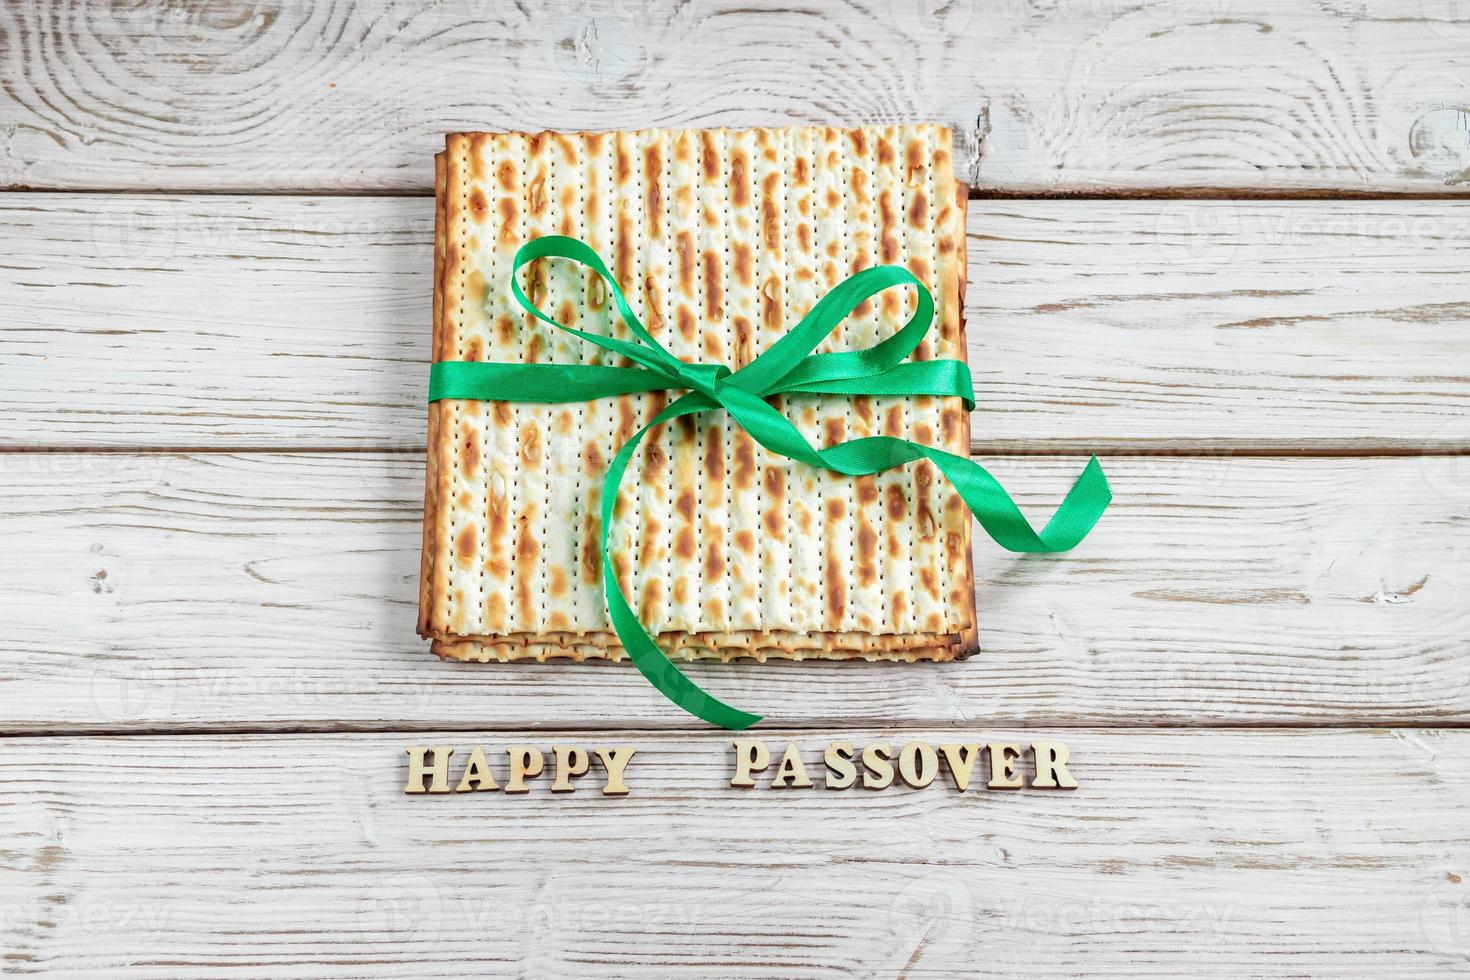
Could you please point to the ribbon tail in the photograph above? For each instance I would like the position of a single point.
(982, 493)
(1003, 520)
(650, 660)
(1082, 509)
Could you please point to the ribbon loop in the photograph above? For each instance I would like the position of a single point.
(786, 367)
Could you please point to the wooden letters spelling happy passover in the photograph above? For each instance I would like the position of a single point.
(877, 765)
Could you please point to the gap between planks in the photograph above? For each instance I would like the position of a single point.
(785, 731)
(1219, 193)
(1177, 450)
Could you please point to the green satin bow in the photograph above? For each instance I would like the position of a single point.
(786, 367)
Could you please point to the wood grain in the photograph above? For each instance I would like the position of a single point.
(1241, 95)
(243, 559)
(1211, 854)
(1199, 326)
(219, 591)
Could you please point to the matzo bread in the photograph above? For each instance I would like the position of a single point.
(721, 240)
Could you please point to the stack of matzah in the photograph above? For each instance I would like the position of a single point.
(721, 240)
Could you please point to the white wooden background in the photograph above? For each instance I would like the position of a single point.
(1226, 243)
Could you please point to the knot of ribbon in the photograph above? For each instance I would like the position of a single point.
(787, 367)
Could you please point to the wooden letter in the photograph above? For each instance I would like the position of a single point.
(918, 765)
(418, 769)
(879, 773)
(615, 760)
(751, 756)
(570, 761)
(1003, 756)
(841, 773)
(792, 772)
(477, 770)
(1051, 766)
(525, 760)
(960, 760)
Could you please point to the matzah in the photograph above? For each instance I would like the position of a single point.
(721, 240)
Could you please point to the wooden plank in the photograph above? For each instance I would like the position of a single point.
(1202, 326)
(1200, 853)
(144, 592)
(1248, 95)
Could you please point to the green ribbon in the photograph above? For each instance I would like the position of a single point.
(786, 367)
